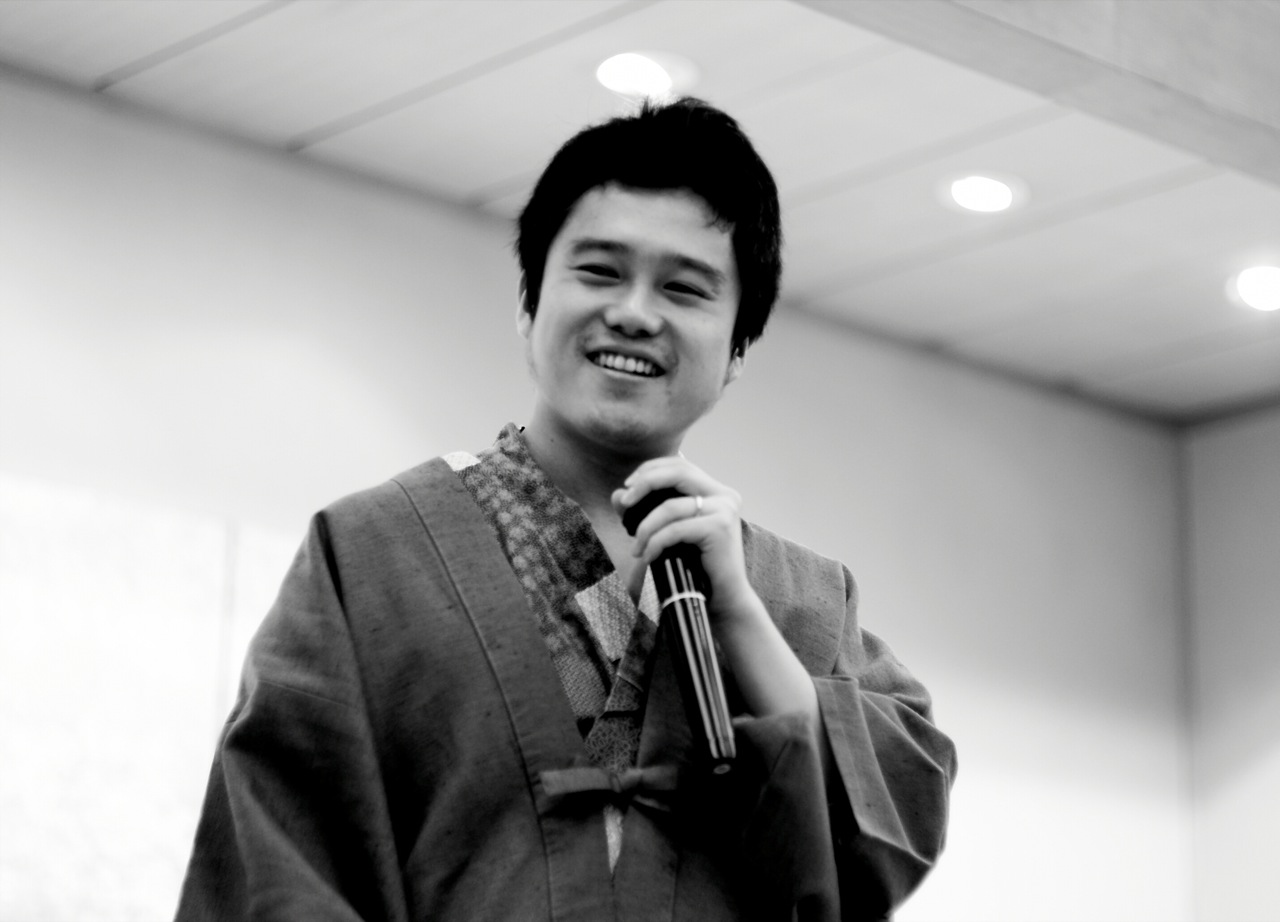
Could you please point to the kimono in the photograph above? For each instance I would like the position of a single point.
(402, 749)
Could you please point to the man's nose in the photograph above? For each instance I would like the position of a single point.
(636, 312)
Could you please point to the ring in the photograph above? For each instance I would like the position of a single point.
(697, 505)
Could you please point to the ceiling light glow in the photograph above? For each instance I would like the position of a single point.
(1259, 287)
(982, 193)
(634, 74)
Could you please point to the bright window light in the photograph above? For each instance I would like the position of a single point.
(982, 193)
(634, 74)
(1259, 287)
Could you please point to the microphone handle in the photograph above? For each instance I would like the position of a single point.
(682, 589)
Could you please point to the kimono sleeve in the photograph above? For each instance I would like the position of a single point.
(847, 837)
(889, 802)
(295, 823)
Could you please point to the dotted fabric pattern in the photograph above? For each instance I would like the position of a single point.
(598, 639)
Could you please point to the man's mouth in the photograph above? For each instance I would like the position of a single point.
(626, 364)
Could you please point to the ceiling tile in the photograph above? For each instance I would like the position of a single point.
(876, 108)
(82, 40)
(899, 220)
(490, 132)
(1063, 258)
(1167, 314)
(1120, 292)
(1205, 385)
(311, 63)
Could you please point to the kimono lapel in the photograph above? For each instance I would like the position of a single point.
(540, 715)
(645, 878)
(667, 869)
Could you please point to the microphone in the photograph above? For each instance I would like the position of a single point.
(682, 596)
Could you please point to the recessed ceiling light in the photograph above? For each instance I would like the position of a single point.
(647, 74)
(634, 75)
(982, 193)
(1259, 287)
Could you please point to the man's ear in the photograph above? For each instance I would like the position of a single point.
(524, 317)
(737, 359)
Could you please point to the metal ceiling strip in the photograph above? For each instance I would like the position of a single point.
(203, 37)
(488, 65)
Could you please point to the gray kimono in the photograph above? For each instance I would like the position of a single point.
(402, 749)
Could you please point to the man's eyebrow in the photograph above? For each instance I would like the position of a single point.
(585, 244)
(582, 245)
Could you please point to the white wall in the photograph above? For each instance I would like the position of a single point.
(195, 322)
(1234, 491)
(222, 340)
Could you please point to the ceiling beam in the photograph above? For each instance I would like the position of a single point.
(1199, 75)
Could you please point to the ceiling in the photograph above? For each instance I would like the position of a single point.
(1109, 282)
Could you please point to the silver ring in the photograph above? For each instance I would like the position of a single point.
(697, 505)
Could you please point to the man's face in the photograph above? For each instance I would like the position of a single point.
(631, 342)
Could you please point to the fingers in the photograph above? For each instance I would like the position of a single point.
(707, 515)
(671, 471)
(675, 473)
(694, 530)
(671, 512)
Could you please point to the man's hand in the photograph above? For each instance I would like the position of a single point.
(708, 516)
(768, 674)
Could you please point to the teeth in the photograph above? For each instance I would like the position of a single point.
(628, 364)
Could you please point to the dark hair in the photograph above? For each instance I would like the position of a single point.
(686, 144)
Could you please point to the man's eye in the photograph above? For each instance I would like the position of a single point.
(599, 270)
(682, 288)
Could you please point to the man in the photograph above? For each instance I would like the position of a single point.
(460, 706)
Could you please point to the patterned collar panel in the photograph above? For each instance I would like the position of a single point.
(596, 636)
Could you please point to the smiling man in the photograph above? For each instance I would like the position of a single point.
(461, 706)
(638, 302)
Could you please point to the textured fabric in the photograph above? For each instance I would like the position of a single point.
(402, 748)
(598, 639)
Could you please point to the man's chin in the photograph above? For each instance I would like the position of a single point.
(632, 435)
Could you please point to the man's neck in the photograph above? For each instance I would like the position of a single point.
(582, 470)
